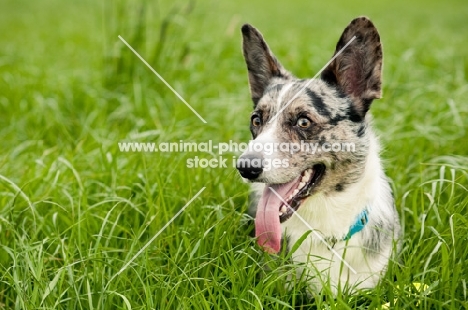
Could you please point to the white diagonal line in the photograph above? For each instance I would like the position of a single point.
(307, 84)
(315, 232)
(155, 236)
(162, 79)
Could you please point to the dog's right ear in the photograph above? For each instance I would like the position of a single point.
(261, 63)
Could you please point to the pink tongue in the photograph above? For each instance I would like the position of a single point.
(267, 222)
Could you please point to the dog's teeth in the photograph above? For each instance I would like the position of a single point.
(280, 213)
(301, 185)
(295, 192)
(283, 209)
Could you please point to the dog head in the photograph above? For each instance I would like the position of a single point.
(309, 135)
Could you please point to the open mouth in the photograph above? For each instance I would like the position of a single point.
(309, 179)
(272, 210)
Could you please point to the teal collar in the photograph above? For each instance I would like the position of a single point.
(358, 225)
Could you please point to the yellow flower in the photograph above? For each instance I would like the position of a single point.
(420, 287)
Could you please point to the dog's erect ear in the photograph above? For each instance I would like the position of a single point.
(261, 63)
(357, 70)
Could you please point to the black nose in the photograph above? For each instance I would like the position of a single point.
(250, 165)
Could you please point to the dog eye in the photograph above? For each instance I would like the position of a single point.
(256, 121)
(303, 122)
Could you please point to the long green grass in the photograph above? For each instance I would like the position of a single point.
(75, 211)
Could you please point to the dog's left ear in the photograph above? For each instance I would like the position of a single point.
(261, 63)
(357, 70)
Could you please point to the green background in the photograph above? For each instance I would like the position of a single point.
(74, 210)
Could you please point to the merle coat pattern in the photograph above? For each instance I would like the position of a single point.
(326, 189)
